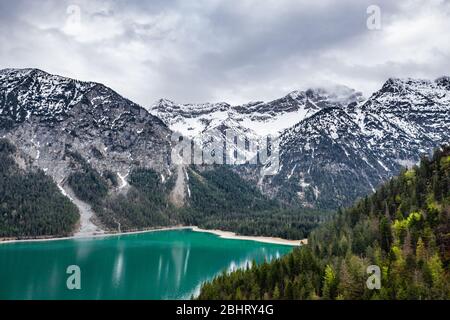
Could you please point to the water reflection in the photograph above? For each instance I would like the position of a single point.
(158, 265)
(118, 266)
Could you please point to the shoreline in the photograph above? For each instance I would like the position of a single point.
(221, 234)
(233, 236)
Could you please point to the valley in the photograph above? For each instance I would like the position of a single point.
(114, 156)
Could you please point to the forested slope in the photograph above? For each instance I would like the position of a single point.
(31, 204)
(220, 199)
(144, 204)
(403, 228)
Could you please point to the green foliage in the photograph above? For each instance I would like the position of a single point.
(145, 204)
(404, 228)
(222, 190)
(89, 186)
(329, 283)
(445, 163)
(111, 178)
(87, 183)
(30, 202)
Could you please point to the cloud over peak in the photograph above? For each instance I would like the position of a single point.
(218, 50)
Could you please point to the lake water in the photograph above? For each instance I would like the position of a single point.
(152, 265)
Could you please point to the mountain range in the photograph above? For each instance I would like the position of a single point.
(335, 145)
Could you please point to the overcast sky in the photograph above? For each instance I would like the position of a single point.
(226, 50)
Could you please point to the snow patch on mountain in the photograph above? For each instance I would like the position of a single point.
(259, 118)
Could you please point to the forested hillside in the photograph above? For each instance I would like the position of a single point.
(403, 228)
(30, 203)
(217, 198)
(221, 199)
(144, 204)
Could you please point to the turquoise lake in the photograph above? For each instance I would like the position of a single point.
(153, 265)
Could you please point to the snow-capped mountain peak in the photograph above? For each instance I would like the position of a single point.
(341, 153)
(260, 118)
(39, 93)
(47, 115)
(443, 82)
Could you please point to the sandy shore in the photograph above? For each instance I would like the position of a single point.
(221, 234)
(234, 236)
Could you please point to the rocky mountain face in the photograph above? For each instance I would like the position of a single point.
(48, 117)
(339, 154)
(208, 124)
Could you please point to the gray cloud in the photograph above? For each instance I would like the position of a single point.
(222, 50)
